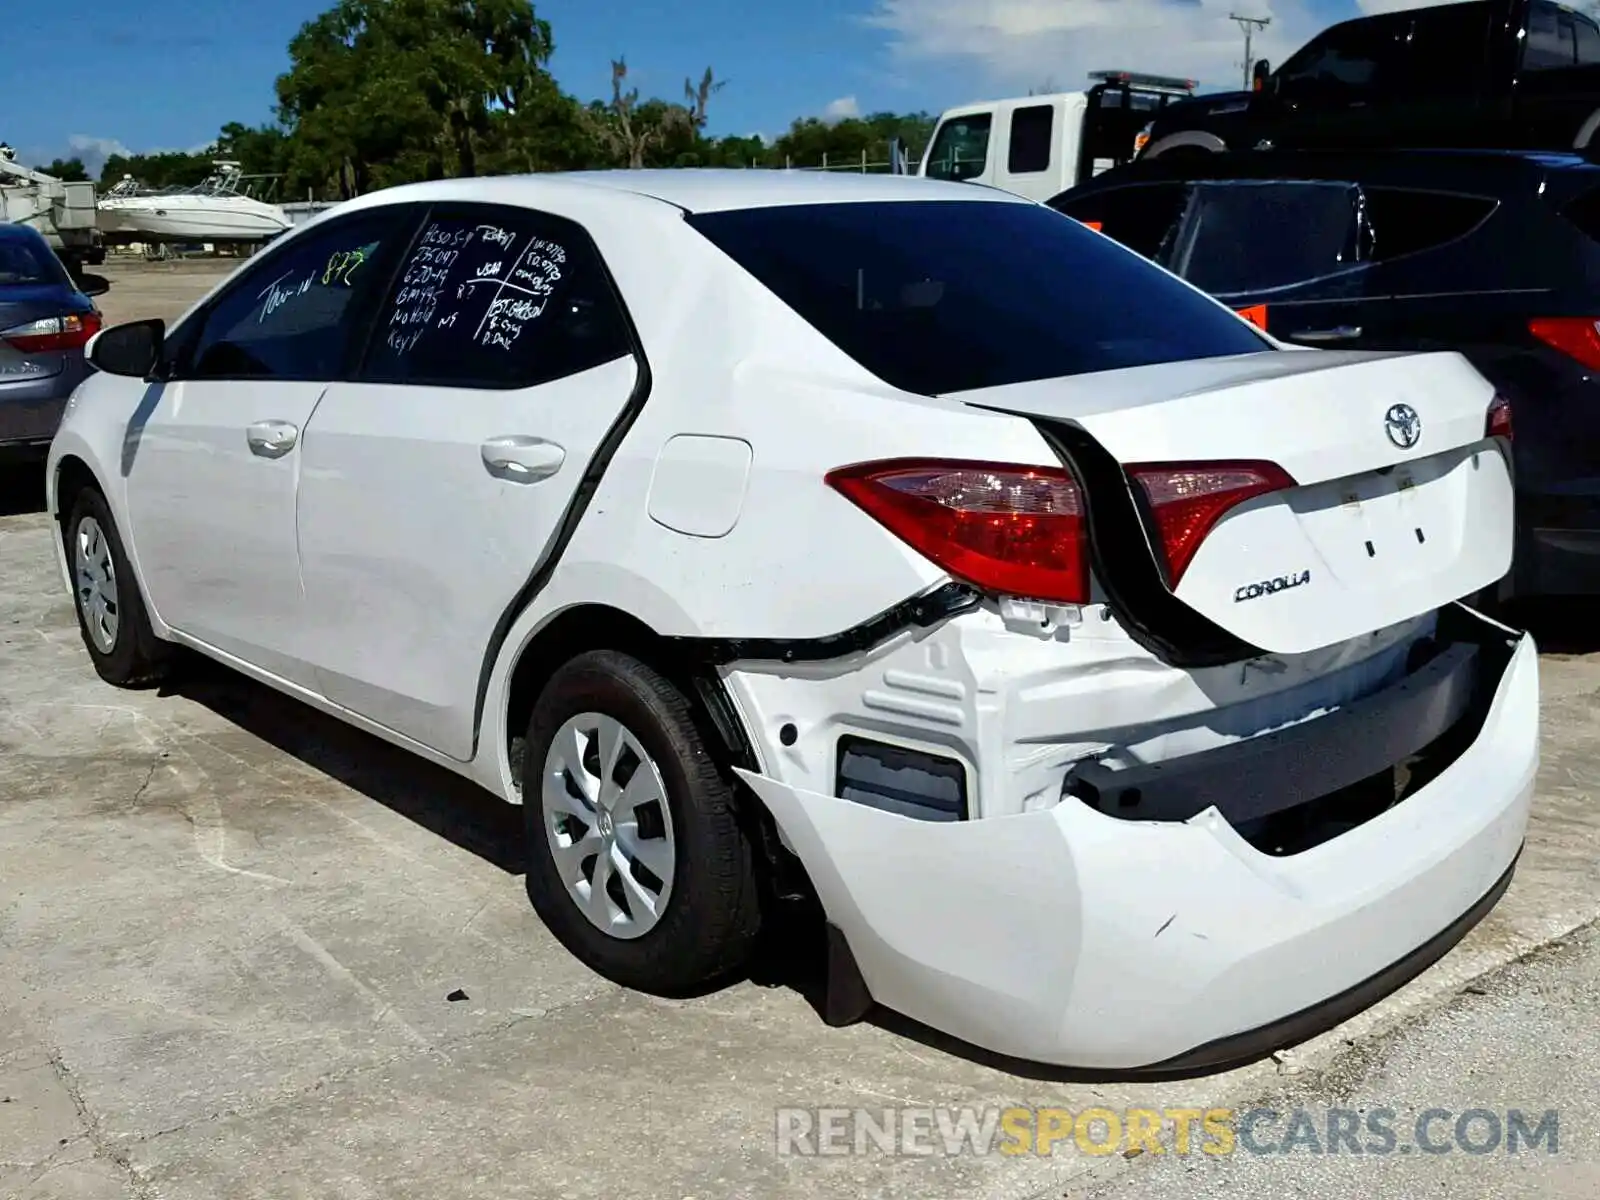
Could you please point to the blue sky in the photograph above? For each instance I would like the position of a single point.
(166, 74)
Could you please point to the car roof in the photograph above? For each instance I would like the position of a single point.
(22, 233)
(1493, 171)
(699, 190)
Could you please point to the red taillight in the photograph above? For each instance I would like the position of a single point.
(66, 332)
(1188, 499)
(1499, 424)
(1003, 527)
(1576, 337)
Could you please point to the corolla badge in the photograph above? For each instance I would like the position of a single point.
(1271, 587)
(1403, 426)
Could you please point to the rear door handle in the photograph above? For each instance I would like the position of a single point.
(520, 458)
(271, 439)
(1340, 333)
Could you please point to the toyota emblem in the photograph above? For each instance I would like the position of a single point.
(1403, 426)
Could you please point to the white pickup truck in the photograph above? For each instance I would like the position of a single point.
(1039, 146)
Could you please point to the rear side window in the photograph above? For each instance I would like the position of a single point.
(937, 297)
(1249, 237)
(293, 314)
(1588, 46)
(1584, 212)
(960, 148)
(493, 297)
(1031, 130)
(1142, 217)
(25, 261)
(1404, 221)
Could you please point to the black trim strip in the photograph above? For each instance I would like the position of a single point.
(1134, 583)
(920, 612)
(1259, 776)
(576, 507)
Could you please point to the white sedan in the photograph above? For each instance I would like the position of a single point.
(1090, 657)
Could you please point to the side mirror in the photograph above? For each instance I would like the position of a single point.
(1262, 73)
(131, 349)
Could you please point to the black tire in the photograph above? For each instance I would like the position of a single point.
(708, 926)
(135, 657)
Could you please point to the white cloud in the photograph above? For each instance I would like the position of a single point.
(93, 151)
(841, 109)
(1016, 43)
(1383, 6)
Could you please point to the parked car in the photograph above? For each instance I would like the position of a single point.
(45, 322)
(896, 539)
(1491, 73)
(1494, 254)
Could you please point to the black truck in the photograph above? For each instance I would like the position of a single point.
(1513, 74)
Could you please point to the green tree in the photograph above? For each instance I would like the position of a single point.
(68, 170)
(165, 169)
(259, 150)
(810, 138)
(386, 91)
(653, 133)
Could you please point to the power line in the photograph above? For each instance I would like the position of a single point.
(1249, 25)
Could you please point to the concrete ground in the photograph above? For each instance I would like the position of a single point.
(1525, 1038)
(246, 951)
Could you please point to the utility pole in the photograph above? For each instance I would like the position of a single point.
(1249, 25)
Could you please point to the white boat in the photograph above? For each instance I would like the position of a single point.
(215, 211)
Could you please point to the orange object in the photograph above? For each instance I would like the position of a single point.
(1256, 314)
(1097, 226)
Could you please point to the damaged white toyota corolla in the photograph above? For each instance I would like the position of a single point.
(1091, 657)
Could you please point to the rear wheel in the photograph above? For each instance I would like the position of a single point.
(111, 613)
(636, 861)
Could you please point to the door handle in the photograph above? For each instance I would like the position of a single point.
(1340, 333)
(271, 439)
(520, 458)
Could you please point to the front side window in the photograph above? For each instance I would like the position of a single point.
(960, 148)
(496, 297)
(1444, 55)
(295, 313)
(936, 297)
(1349, 62)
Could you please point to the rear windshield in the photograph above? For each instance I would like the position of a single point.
(24, 261)
(950, 296)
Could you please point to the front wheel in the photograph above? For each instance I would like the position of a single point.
(636, 860)
(111, 613)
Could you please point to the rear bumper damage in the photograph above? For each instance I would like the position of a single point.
(1192, 927)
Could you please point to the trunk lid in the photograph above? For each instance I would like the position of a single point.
(1374, 532)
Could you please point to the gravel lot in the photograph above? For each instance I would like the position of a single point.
(230, 929)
